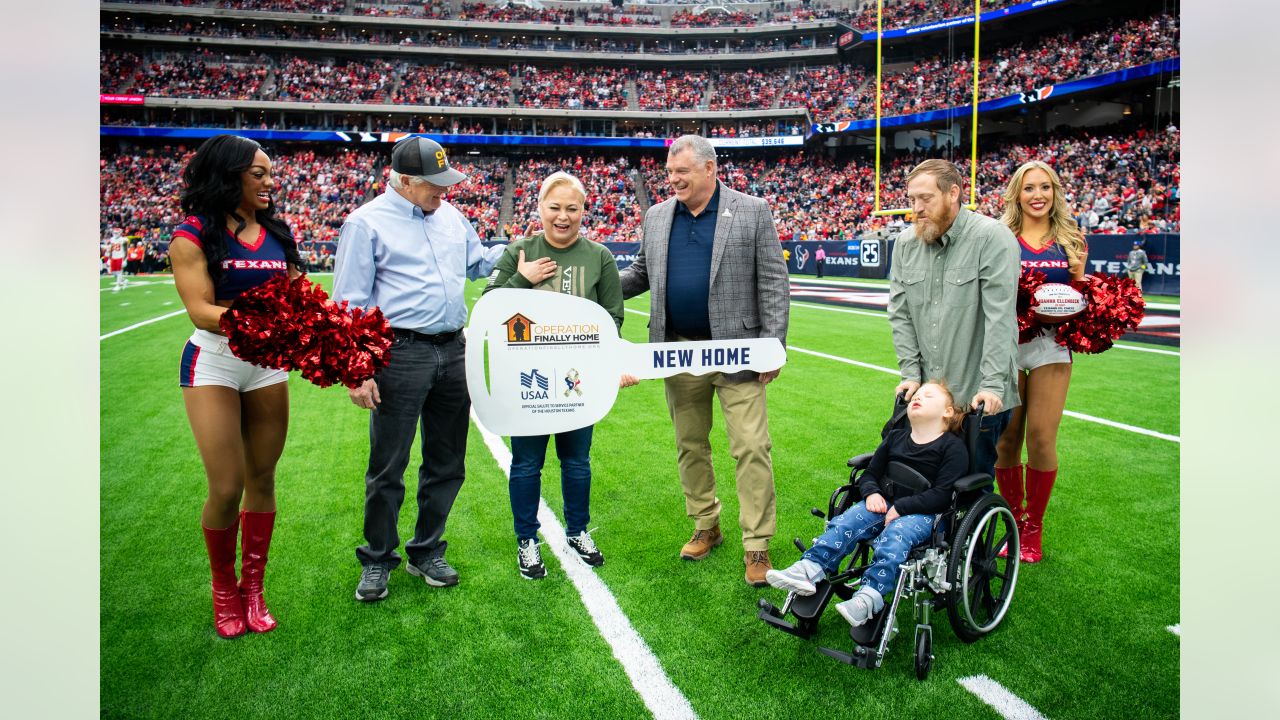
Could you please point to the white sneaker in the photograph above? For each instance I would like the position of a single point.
(799, 578)
(858, 609)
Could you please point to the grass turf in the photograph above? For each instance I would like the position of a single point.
(1085, 637)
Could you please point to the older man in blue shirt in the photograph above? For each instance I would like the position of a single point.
(410, 253)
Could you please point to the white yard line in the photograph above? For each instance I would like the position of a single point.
(892, 371)
(1122, 426)
(663, 699)
(1009, 706)
(135, 326)
(1175, 629)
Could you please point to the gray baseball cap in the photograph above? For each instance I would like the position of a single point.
(424, 158)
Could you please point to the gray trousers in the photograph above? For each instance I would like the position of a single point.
(423, 388)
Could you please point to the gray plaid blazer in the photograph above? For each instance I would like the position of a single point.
(750, 289)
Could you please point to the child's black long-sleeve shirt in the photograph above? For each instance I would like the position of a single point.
(941, 462)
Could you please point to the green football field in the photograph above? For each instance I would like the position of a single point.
(1088, 634)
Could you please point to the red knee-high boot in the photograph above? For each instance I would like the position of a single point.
(228, 614)
(1009, 480)
(256, 539)
(1039, 486)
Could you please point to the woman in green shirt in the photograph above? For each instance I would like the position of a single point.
(557, 260)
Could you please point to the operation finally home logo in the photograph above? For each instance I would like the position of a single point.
(523, 331)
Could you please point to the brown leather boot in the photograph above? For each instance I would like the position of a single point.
(699, 546)
(758, 563)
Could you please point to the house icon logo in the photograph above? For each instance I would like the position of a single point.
(519, 329)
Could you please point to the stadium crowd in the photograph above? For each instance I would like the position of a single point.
(202, 73)
(452, 84)
(829, 92)
(666, 90)
(232, 28)
(612, 211)
(897, 13)
(708, 18)
(352, 81)
(600, 89)
(938, 82)
(1117, 180)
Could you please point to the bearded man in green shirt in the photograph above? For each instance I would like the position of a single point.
(953, 286)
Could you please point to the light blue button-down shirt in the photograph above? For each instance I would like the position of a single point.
(412, 265)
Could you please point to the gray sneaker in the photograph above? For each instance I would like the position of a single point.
(373, 583)
(435, 571)
(860, 608)
(799, 578)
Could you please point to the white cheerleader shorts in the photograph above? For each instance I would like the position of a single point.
(1042, 351)
(206, 360)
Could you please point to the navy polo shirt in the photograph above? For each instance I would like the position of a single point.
(689, 269)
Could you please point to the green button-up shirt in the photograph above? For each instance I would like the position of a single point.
(952, 308)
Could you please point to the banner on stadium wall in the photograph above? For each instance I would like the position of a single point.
(960, 21)
(863, 257)
(1037, 95)
(1108, 253)
(121, 99)
(752, 142)
(867, 257)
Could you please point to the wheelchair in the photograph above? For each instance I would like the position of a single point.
(958, 569)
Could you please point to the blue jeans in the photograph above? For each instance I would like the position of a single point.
(890, 546)
(528, 453)
(989, 432)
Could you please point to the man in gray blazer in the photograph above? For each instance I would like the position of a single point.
(710, 257)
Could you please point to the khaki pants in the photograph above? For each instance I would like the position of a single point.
(747, 421)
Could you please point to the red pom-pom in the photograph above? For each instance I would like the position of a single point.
(293, 325)
(1115, 306)
(1028, 326)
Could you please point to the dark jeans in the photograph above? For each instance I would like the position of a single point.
(990, 431)
(424, 383)
(528, 453)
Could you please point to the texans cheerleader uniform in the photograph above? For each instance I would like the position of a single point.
(1043, 349)
(206, 359)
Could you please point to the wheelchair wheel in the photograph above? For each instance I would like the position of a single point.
(982, 582)
(924, 654)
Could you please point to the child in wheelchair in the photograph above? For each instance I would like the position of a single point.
(896, 519)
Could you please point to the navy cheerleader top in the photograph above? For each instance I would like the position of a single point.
(1050, 260)
(246, 266)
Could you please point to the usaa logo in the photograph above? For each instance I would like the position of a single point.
(536, 386)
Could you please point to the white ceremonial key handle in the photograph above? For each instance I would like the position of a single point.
(540, 362)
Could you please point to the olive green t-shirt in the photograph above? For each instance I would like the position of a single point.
(585, 269)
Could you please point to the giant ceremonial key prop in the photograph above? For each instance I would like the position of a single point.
(553, 361)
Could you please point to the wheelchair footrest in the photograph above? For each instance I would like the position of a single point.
(785, 626)
(863, 657)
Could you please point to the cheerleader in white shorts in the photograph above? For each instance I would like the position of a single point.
(231, 242)
(1052, 243)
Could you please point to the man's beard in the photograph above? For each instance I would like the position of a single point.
(927, 231)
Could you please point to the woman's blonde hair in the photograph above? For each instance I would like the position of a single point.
(557, 179)
(1062, 226)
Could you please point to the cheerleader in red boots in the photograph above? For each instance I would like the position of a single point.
(1037, 213)
(230, 242)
